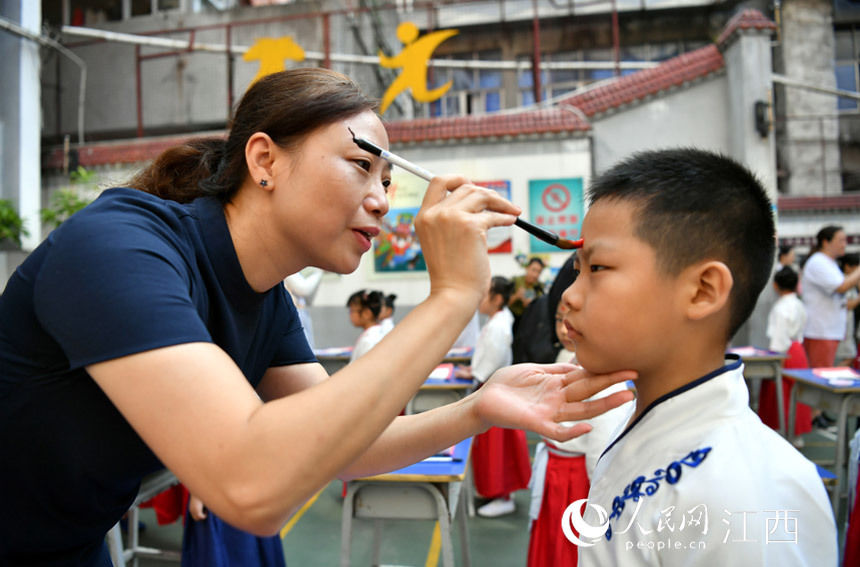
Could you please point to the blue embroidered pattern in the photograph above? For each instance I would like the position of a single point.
(641, 487)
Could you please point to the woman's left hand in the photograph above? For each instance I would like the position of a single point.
(538, 397)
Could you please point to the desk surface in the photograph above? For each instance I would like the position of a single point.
(442, 378)
(842, 384)
(755, 354)
(431, 470)
(457, 354)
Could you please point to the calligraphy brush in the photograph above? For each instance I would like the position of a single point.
(394, 159)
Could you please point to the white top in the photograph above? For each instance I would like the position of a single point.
(367, 340)
(469, 336)
(493, 349)
(825, 309)
(387, 324)
(303, 286)
(605, 427)
(786, 322)
(697, 479)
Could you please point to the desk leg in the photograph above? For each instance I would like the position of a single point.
(115, 546)
(346, 524)
(792, 407)
(841, 448)
(780, 401)
(134, 533)
(464, 529)
(377, 542)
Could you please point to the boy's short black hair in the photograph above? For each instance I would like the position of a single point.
(694, 205)
(536, 260)
(786, 279)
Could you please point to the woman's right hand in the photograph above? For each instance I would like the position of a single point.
(452, 228)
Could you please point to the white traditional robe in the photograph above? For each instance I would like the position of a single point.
(697, 479)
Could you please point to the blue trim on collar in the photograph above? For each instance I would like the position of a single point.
(688, 386)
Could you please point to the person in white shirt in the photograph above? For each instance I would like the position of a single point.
(679, 243)
(785, 324)
(386, 316)
(561, 471)
(364, 308)
(303, 288)
(846, 352)
(500, 457)
(824, 286)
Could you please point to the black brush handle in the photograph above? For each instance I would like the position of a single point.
(545, 235)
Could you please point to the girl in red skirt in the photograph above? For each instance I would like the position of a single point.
(785, 326)
(561, 472)
(500, 457)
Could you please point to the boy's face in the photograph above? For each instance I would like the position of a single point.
(621, 311)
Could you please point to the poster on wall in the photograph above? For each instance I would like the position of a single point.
(499, 239)
(396, 249)
(556, 205)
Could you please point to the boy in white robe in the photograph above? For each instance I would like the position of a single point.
(678, 246)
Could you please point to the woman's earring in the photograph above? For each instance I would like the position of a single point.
(263, 183)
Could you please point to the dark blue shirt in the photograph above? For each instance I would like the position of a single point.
(129, 273)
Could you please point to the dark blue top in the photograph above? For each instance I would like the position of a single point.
(129, 273)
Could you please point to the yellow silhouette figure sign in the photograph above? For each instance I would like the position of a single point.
(271, 52)
(413, 59)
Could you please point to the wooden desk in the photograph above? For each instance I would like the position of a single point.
(439, 391)
(761, 364)
(428, 490)
(840, 398)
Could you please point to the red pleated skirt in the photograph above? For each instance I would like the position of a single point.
(500, 462)
(767, 409)
(566, 482)
(851, 553)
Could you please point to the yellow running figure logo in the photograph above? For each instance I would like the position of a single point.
(271, 53)
(413, 59)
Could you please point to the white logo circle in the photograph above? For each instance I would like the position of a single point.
(572, 519)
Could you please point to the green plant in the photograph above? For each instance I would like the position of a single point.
(11, 224)
(63, 204)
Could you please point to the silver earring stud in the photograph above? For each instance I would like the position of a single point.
(263, 183)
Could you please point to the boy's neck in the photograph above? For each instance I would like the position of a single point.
(683, 369)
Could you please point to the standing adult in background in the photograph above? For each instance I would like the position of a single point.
(527, 288)
(823, 287)
(303, 288)
(152, 330)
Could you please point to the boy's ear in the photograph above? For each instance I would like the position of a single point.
(710, 284)
(260, 156)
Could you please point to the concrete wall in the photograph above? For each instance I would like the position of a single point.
(810, 147)
(692, 116)
(191, 88)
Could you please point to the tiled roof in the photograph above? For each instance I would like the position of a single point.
(745, 20)
(125, 151)
(672, 73)
(843, 202)
(544, 121)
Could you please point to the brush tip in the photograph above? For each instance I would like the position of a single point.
(566, 244)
